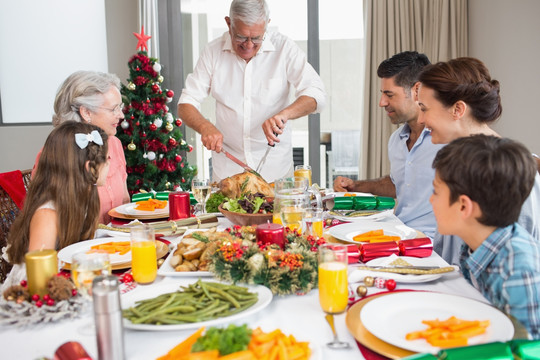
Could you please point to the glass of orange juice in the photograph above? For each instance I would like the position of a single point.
(312, 222)
(303, 171)
(333, 286)
(143, 254)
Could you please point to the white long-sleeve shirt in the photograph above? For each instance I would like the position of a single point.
(249, 93)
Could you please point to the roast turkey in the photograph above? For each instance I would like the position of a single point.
(246, 182)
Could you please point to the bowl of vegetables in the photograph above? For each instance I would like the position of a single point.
(249, 209)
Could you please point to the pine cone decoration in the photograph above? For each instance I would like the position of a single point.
(17, 293)
(60, 288)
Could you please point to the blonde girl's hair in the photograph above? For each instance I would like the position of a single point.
(82, 88)
(66, 175)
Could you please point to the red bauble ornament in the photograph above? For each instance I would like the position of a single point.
(138, 123)
(152, 127)
(390, 284)
(178, 122)
(170, 93)
(144, 134)
(177, 158)
(155, 88)
(172, 142)
(137, 69)
(183, 180)
(190, 148)
(182, 165)
(133, 117)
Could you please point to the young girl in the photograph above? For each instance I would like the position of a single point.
(62, 204)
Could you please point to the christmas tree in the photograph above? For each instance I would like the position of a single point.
(153, 142)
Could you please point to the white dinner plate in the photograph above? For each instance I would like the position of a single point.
(66, 253)
(129, 209)
(358, 275)
(392, 316)
(167, 270)
(338, 194)
(346, 232)
(151, 291)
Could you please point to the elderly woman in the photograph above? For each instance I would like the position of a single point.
(459, 98)
(94, 97)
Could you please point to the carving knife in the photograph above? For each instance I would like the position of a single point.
(263, 159)
(242, 164)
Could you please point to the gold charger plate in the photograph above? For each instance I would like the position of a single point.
(370, 341)
(162, 249)
(364, 337)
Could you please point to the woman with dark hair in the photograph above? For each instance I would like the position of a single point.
(459, 98)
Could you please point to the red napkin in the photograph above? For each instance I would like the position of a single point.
(13, 184)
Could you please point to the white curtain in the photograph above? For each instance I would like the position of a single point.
(437, 28)
(148, 17)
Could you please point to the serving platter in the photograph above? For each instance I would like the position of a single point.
(167, 270)
(151, 291)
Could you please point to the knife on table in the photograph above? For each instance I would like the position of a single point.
(263, 159)
(242, 164)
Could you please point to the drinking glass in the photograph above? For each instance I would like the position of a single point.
(333, 287)
(289, 192)
(201, 191)
(85, 267)
(312, 222)
(143, 254)
(303, 171)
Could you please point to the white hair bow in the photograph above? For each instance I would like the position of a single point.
(83, 139)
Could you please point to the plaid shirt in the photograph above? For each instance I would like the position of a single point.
(506, 269)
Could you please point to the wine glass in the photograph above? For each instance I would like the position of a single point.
(85, 266)
(333, 286)
(201, 191)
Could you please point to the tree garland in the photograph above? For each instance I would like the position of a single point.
(289, 271)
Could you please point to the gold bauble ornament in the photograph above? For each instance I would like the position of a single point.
(369, 281)
(131, 86)
(160, 78)
(169, 127)
(167, 184)
(131, 146)
(361, 291)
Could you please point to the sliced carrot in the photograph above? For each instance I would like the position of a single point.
(185, 346)
(204, 355)
(448, 343)
(239, 355)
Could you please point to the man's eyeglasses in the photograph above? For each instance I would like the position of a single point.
(115, 110)
(257, 40)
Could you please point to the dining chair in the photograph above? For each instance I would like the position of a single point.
(8, 213)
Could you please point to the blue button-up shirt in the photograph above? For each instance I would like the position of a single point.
(412, 174)
(506, 270)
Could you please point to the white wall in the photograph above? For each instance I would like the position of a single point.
(505, 36)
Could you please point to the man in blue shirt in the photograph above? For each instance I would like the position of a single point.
(481, 183)
(410, 149)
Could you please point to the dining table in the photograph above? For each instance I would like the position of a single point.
(299, 315)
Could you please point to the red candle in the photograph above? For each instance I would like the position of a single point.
(271, 233)
(422, 247)
(179, 207)
(377, 250)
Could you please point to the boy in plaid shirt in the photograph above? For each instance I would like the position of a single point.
(480, 185)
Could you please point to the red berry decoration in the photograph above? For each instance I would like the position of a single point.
(73, 292)
(39, 303)
(35, 297)
(170, 93)
(50, 302)
(178, 122)
(24, 283)
(128, 278)
(46, 297)
(390, 284)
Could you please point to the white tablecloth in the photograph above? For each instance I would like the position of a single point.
(297, 315)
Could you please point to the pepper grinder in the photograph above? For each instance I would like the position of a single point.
(108, 318)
